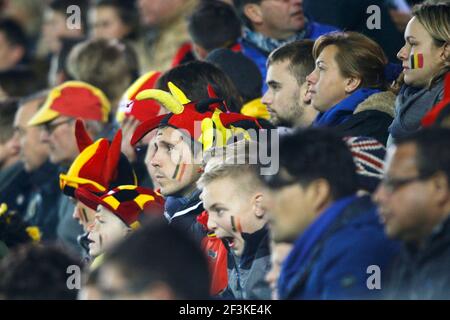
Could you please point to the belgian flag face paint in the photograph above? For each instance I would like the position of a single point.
(416, 61)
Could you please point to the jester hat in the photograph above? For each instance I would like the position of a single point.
(99, 166)
(185, 114)
(74, 99)
(127, 202)
(140, 109)
(436, 114)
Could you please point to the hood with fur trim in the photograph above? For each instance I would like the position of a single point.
(383, 102)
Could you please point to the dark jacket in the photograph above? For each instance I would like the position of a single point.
(42, 210)
(15, 187)
(182, 213)
(352, 15)
(330, 259)
(259, 56)
(423, 273)
(371, 118)
(246, 274)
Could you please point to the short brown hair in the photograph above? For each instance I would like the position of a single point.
(299, 54)
(109, 65)
(358, 56)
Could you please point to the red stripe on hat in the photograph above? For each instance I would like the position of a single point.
(374, 162)
(78, 102)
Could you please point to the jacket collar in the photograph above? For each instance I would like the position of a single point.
(177, 204)
(254, 242)
(267, 44)
(342, 111)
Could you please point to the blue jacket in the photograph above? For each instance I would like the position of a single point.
(314, 30)
(330, 259)
(182, 213)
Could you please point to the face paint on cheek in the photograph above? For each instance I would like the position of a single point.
(179, 171)
(416, 61)
(235, 224)
(84, 215)
(100, 241)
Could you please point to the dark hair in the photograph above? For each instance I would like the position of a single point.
(61, 6)
(127, 12)
(14, 33)
(193, 79)
(35, 272)
(242, 71)
(239, 6)
(214, 24)
(171, 256)
(299, 55)
(357, 56)
(307, 155)
(8, 110)
(20, 81)
(433, 152)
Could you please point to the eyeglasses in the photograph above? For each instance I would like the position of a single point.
(393, 184)
(49, 127)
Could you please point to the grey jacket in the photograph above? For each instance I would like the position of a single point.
(246, 274)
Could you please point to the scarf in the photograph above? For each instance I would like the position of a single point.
(342, 111)
(303, 246)
(267, 44)
(410, 107)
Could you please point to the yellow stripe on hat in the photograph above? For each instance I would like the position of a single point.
(135, 225)
(142, 199)
(75, 182)
(131, 91)
(256, 109)
(79, 162)
(112, 202)
(45, 113)
(126, 187)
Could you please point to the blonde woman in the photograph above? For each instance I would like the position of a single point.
(425, 59)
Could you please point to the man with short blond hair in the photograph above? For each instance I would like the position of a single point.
(233, 196)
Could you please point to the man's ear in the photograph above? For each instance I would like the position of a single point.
(445, 55)
(351, 84)
(253, 12)
(319, 195)
(441, 188)
(17, 53)
(258, 208)
(199, 51)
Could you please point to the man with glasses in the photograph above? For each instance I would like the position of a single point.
(336, 235)
(56, 119)
(414, 202)
(40, 209)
